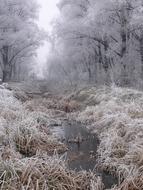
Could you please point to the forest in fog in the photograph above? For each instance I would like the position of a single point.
(98, 42)
(19, 38)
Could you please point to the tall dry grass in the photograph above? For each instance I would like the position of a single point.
(116, 114)
(43, 173)
(27, 147)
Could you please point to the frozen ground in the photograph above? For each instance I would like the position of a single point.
(116, 115)
(28, 160)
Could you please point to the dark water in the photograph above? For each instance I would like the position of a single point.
(83, 155)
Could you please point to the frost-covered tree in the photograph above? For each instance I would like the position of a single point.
(102, 40)
(19, 34)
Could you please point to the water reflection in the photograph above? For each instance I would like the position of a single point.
(82, 154)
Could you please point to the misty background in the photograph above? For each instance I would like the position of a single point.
(70, 43)
(48, 12)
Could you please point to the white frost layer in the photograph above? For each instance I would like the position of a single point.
(117, 116)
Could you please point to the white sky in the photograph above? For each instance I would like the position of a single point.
(48, 12)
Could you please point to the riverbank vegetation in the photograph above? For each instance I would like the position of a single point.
(31, 157)
(113, 113)
(116, 115)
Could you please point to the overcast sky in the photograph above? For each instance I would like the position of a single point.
(48, 12)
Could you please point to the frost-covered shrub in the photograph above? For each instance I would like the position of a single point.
(118, 119)
(23, 130)
(7, 100)
(33, 134)
(41, 104)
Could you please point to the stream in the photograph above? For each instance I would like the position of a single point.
(82, 153)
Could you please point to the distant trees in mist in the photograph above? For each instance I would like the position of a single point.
(19, 37)
(99, 41)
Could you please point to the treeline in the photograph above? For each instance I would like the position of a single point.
(19, 38)
(98, 41)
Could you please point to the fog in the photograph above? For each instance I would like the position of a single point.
(48, 11)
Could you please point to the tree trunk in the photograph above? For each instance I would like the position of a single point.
(7, 67)
(100, 56)
(141, 54)
(89, 74)
(124, 80)
(6, 73)
(106, 59)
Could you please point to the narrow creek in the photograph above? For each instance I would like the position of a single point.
(82, 153)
